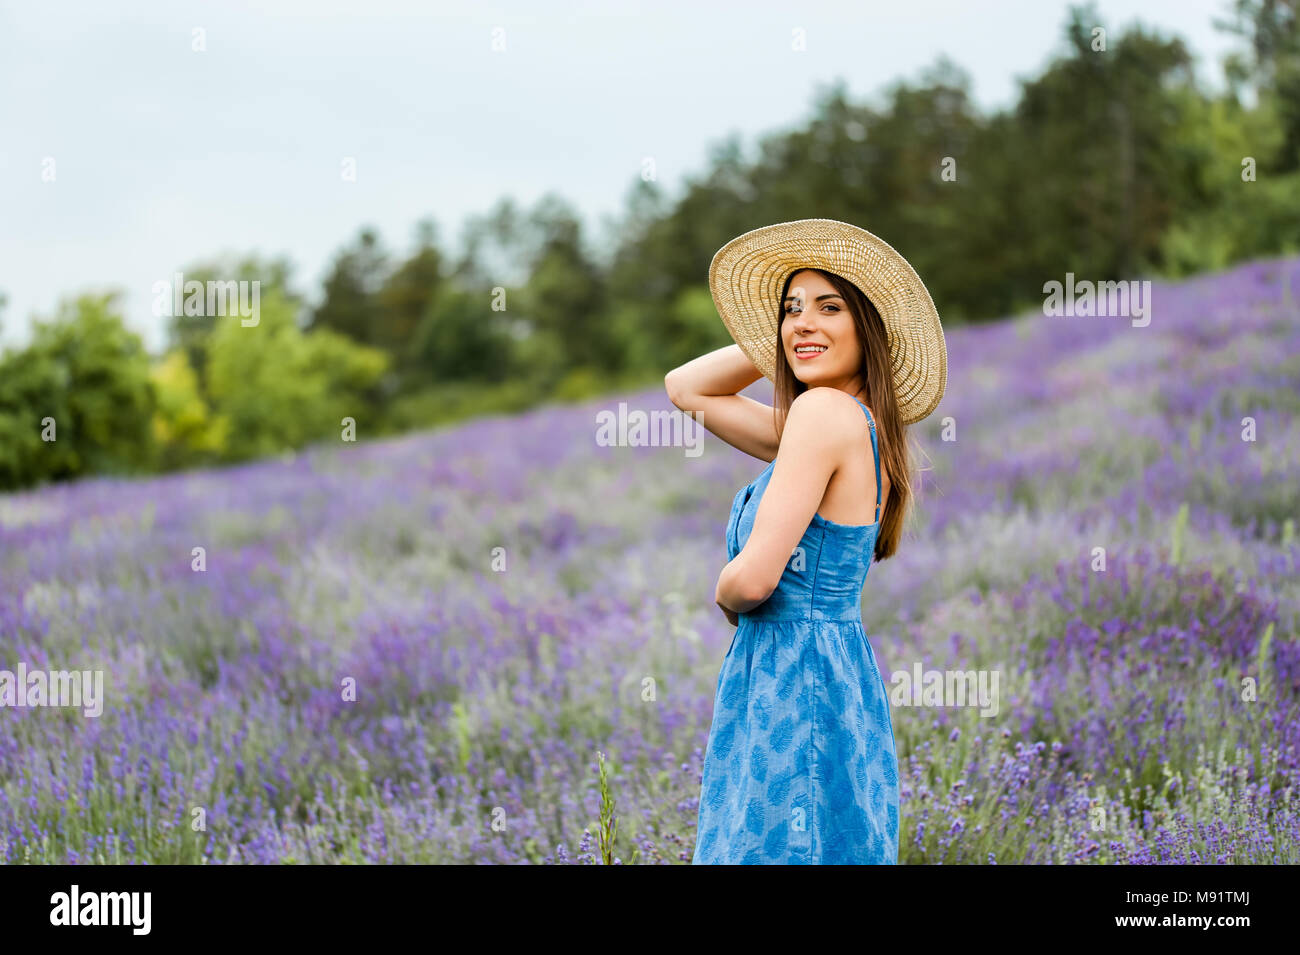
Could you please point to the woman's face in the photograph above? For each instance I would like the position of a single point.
(816, 315)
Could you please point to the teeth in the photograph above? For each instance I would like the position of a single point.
(807, 348)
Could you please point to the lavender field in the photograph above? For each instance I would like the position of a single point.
(412, 650)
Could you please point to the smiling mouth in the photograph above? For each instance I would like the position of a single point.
(808, 351)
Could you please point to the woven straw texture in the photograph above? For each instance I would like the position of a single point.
(747, 273)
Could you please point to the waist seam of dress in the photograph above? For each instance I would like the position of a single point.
(806, 617)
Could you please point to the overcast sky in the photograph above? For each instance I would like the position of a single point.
(164, 155)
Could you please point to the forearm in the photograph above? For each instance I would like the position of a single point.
(724, 371)
(737, 590)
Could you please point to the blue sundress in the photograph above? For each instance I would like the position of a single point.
(801, 765)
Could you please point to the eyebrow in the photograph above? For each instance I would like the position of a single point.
(819, 298)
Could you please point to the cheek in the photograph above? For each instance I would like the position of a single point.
(845, 341)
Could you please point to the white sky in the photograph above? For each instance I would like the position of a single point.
(165, 157)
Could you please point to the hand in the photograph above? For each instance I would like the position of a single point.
(731, 616)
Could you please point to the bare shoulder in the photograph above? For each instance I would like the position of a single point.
(825, 399)
(835, 417)
(828, 401)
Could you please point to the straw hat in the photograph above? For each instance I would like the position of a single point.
(747, 275)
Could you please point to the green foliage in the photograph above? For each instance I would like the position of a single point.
(1176, 536)
(86, 377)
(1259, 219)
(1262, 661)
(275, 388)
(183, 425)
(652, 339)
(407, 296)
(462, 338)
(607, 830)
(191, 332)
(351, 305)
(565, 301)
(1271, 62)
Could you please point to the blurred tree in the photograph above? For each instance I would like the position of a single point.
(688, 327)
(496, 248)
(1100, 164)
(406, 297)
(275, 388)
(555, 321)
(1271, 29)
(184, 428)
(565, 300)
(1239, 217)
(351, 304)
(85, 370)
(461, 338)
(191, 332)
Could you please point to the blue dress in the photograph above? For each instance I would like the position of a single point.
(801, 766)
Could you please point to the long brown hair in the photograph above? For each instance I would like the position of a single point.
(891, 434)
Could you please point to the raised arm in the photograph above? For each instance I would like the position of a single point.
(707, 385)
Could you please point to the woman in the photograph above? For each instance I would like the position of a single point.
(801, 764)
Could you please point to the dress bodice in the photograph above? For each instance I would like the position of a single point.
(824, 577)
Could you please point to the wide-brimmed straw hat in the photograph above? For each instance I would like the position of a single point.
(748, 273)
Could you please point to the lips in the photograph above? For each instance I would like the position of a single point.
(806, 351)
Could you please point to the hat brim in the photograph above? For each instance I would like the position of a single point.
(747, 274)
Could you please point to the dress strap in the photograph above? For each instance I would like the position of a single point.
(875, 452)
